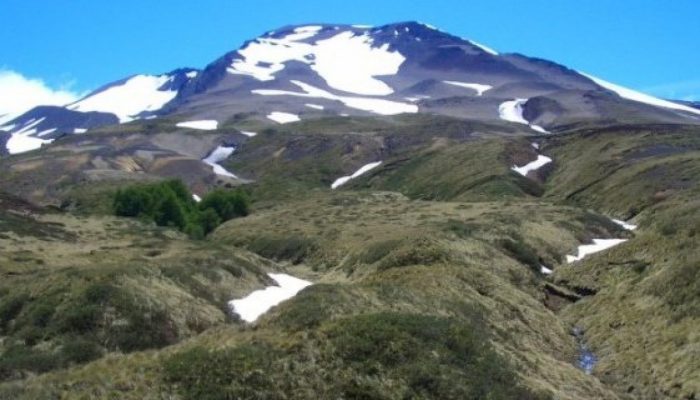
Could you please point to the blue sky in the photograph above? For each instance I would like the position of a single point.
(78, 45)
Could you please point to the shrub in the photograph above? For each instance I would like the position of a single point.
(227, 204)
(237, 373)
(437, 357)
(521, 251)
(294, 249)
(170, 203)
(10, 308)
(79, 350)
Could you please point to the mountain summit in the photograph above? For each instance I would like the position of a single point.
(301, 72)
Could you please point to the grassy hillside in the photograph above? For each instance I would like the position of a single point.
(426, 270)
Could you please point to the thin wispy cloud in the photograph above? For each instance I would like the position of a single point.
(681, 90)
(19, 94)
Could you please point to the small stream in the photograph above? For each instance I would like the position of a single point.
(586, 359)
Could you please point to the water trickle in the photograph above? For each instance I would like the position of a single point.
(586, 360)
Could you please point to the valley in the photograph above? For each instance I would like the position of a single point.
(441, 222)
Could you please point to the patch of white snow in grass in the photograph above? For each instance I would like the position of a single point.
(249, 134)
(544, 270)
(626, 225)
(640, 97)
(251, 307)
(204, 125)
(480, 88)
(377, 106)
(536, 146)
(136, 95)
(314, 106)
(365, 168)
(597, 246)
(532, 166)
(283, 117)
(216, 156)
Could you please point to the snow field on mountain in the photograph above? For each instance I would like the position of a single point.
(345, 179)
(482, 47)
(480, 89)
(205, 125)
(512, 111)
(260, 301)
(283, 117)
(347, 61)
(630, 94)
(23, 140)
(377, 106)
(216, 156)
(138, 94)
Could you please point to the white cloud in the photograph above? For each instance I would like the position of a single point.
(19, 94)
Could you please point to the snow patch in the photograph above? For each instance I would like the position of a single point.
(249, 134)
(314, 106)
(79, 130)
(538, 129)
(544, 270)
(21, 143)
(218, 155)
(138, 94)
(532, 166)
(365, 168)
(640, 97)
(205, 125)
(377, 106)
(196, 198)
(626, 225)
(480, 88)
(347, 61)
(23, 140)
(46, 132)
(512, 110)
(484, 48)
(192, 74)
(251, 307)
(282, 117)
(597, 246)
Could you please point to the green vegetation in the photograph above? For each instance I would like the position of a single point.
(379, 356)
(426, 271)
(170, 203)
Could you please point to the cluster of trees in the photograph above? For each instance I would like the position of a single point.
(170, 203)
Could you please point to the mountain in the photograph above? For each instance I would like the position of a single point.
(136, 97)
(424, 218)
(301, 72)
